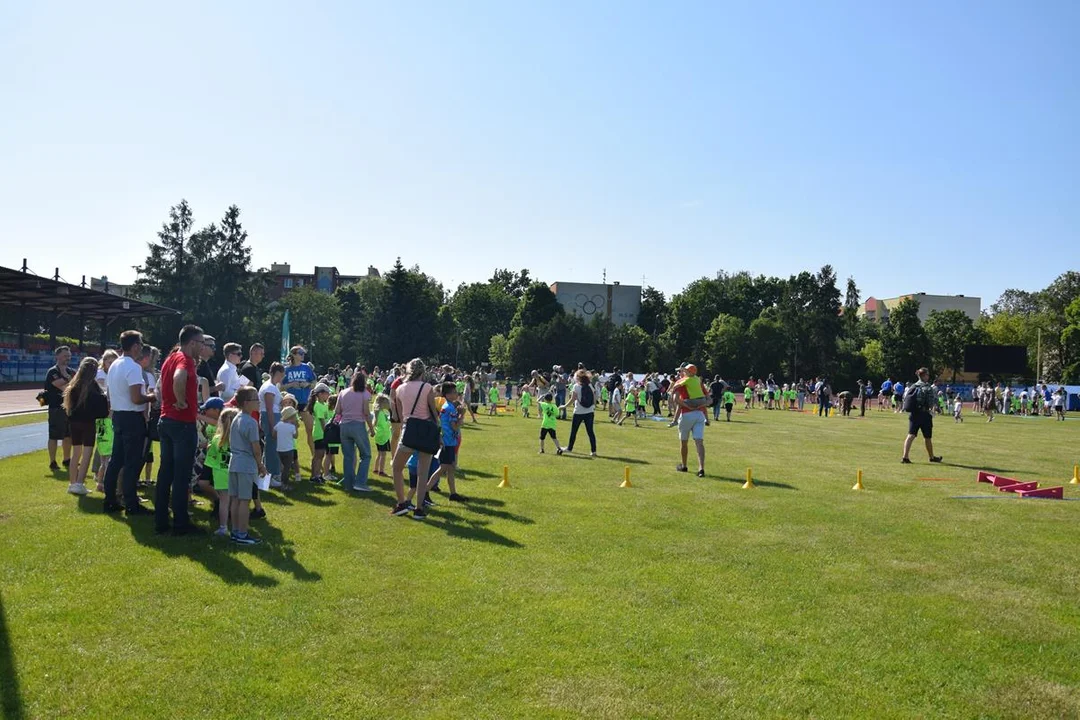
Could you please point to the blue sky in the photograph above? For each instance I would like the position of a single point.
(920, 146)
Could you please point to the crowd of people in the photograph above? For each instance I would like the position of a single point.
(229, 433)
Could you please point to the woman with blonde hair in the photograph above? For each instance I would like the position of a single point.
(414, 402)
(84, 403)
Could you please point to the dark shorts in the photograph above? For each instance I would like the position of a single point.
(59, 426)
(448, 455)
(728, 406)
(547, 432)
(333, 449)
(83, 433)
(921, 422)
(152, 427)
(320, 444)
(385, 447)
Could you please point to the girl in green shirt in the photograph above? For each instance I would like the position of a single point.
(526, 401)
(729, 403)
(217, 459)
(382, 433)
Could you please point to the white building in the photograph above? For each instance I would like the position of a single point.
(878, 310)
(620, 303)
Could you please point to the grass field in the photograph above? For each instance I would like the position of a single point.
(23, 419)
(566, 596)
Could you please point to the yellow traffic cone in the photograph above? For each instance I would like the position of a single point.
(858, 481)
(749, 484)
(626, 477)
(506, 477)
(1076, 475)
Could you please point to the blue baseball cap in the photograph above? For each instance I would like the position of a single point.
(215, 403)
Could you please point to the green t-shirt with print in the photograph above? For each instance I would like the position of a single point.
(548, 415)
(382, 427)
(321, 414)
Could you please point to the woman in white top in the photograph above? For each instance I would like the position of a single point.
(414, 399)
(270, 416)
(584, 400)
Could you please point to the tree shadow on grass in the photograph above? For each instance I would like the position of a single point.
(984, 467)
(758, 483)
(457, 526)
(215, 554)
(11, 703)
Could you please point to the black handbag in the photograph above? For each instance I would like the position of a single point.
(419, 434)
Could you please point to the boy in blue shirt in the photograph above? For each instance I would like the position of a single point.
(450, 432)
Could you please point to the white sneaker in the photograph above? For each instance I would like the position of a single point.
(77, 489)
(222, 532)
(275, 482)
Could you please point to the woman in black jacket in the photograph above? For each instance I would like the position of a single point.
(85, 404)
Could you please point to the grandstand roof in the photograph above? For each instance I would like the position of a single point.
(24, 289)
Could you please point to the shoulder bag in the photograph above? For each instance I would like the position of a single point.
(420, 434)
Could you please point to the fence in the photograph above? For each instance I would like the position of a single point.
(28, 368)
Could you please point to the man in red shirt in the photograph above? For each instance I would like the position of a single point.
(179, 438)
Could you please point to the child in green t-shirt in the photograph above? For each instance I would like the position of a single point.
(104, 443)
(631, 408)
(493, 400)
(643, 401)
(320, 412)
(729, 402)
(382, 433)
(604, 396)
(549, 413)
(748, 397)
(526, 401)
(332, 434)
(217, 460)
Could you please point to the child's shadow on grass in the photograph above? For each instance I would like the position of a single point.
(213, 553)
(306, 492)
(481, 509)
(457, 526)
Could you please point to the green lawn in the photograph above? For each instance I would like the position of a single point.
(23, 419)
(566, 596)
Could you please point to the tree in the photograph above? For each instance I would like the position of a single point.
(411, 315)
(949, 332)
(1070, 340)
(314, 322)
(513, 284)
(653, 309)
(904, 345)
(766, 343)
(725, 346)
(627, 347)
(481, 310)
(166, 276)
(537, 306)
(875, 359)
(363, 320)
(499, 352)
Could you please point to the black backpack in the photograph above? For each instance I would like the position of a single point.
(585, 393)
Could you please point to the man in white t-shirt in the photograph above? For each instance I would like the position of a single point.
(128, 398)
(270, 415)
(228, 378)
